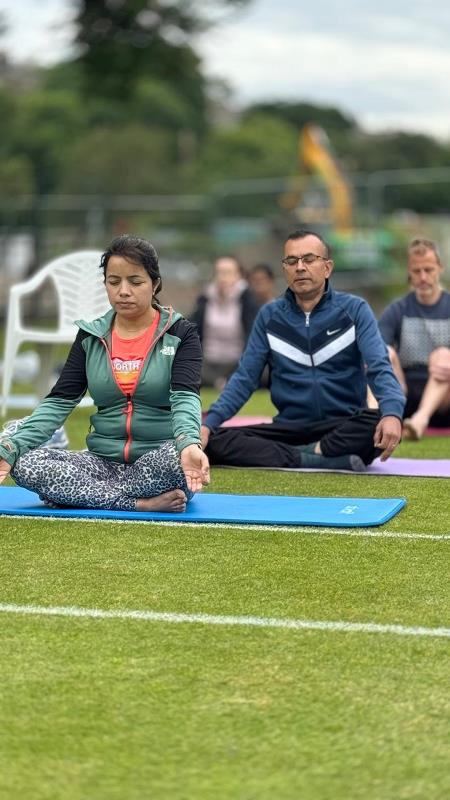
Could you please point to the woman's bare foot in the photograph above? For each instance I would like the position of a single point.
(174, 501)
(50, 503)
(413, 428)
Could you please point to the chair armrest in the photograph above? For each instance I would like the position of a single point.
(29, 286)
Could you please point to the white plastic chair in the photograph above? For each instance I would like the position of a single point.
(81, 293)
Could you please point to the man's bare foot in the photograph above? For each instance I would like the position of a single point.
(413, 429)
(174, 501)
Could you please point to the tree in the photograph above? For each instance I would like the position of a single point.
(132, 160)
(259, 147)
(46, 125)
(16, 177)
(397, 150)
(125, 42)
(331, 119)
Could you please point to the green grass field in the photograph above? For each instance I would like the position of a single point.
(137, 709)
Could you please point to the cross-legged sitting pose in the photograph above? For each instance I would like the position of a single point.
(141, 363)
(322, 348)
(417, 330)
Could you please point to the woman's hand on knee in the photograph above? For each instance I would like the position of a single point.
(195, 466)
(5, 469)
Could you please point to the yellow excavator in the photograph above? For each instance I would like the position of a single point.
(316, 158)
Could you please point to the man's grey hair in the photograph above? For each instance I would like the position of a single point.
(420, 246)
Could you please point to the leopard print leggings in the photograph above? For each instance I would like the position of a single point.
(85, 480)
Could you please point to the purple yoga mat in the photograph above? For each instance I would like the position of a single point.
(412, 467)
(237, 422)
(406, 467)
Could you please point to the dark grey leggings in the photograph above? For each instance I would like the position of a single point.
(85, 480)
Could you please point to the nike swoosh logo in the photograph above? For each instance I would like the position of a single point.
(330, 333)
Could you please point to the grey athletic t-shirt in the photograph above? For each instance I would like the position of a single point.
(415, 330)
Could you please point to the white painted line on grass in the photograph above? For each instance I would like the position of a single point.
(216, 619)
(358, 532)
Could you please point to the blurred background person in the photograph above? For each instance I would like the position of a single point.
(261, 280)
(416, 329)
(224, 316)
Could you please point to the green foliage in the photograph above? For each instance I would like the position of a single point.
(62, 77)
(131, 160)
(46, 125)
(122, 44)
(160, 102)
(8, 111)
(401, 150)
(300, 114)
(371, 152)
(16, 177)
(260, 146)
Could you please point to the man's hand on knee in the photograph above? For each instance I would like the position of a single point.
(388, 434)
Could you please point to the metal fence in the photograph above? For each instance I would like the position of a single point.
(246, 217)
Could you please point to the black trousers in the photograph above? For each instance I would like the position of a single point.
(274, 444)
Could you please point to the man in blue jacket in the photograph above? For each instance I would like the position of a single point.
(322, 348)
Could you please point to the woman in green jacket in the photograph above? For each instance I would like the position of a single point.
(141, 363)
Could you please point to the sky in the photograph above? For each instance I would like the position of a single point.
(385, 63)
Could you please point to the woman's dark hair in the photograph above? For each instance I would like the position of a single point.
(139, 251)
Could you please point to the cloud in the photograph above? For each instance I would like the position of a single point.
(383, 66)
(37, 30)
(384, 63)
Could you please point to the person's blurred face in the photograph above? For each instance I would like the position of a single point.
(226, 273)
(261, 285)
(424, 272)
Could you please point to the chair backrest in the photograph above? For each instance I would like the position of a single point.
(79, 285)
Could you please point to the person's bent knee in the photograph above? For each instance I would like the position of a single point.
(439, 365)
(440, 356)
(30, 461)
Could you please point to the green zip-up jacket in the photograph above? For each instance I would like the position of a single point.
(165, 404)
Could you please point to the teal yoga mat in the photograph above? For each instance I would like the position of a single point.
(228, 509)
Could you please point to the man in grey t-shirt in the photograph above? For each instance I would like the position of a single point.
(416, 329)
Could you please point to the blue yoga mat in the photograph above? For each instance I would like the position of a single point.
(229, 508)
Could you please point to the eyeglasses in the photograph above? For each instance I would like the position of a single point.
(308, 259)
